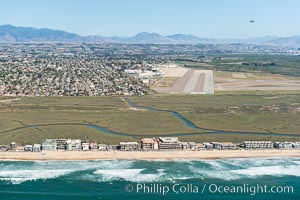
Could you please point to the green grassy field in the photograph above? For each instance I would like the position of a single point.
(276, 111)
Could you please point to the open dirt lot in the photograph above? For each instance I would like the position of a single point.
(173, 71)
(226, 81)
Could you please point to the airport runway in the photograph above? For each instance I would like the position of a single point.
(194, 82)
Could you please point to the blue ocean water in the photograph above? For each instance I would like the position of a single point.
(159, 179)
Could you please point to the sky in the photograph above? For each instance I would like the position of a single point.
(205, 18)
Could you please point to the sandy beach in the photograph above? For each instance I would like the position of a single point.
(125, 155)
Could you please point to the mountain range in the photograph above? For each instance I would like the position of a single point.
(11, 34)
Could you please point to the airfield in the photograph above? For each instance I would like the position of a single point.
(181, 80)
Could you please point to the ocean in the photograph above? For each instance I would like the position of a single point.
(254, 178)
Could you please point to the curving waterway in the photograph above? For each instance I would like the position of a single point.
(178, 116)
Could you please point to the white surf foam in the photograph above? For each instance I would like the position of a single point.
(233, 169)
(133, 175)
(143, 171)
(291, 170)
(16, 172)
(20, 176)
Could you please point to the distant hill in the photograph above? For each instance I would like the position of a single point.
(189, 39)
(9, 33)
(293, 41)
(149, 38)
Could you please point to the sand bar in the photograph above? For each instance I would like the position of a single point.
(169, 155)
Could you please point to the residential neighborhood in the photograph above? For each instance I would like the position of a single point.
(145, 144)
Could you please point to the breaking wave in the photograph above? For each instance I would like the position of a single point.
(19, 176)
(17, 172)
(133, 175)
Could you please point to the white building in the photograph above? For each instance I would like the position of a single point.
(149, 144)
(85, 146)
(258, 144)
(94, 146)
(169, 143)
(283, 145)
(49, 145)
(28, 147)
(296, 145)
(37, 147)
(208, 145)
(73, 145)
(129, 146)
(102, 147)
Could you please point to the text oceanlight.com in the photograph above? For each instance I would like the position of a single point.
(156, 188)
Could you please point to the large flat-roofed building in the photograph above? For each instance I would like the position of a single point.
(73, 145)
(229, 145)
(224, 145)
(169, 143)
(258, 144)
(49, 145)
(61, 144)
(129, 146)
(283, 145)
(149, 144)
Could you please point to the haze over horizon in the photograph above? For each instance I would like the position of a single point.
(225, 19)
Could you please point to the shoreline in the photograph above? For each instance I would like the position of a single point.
(146, 155)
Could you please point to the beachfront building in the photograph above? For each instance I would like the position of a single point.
(85, 146)
(112, 147)
(49, 145)
(229, 145)
(283, 145)
(169, 143)
(102, 147)
(73, 144)
(193, 145)
(149, 144)
(3, 148)
(28, 147)
(296, 145)
(189, 145)
(224, 145)
(258, 144)
(94, 146)
(208, 146)
(129, 146)
(61, 144)
(185, 145)
(37, 147)
(200, 146)
(13, 146)
(216, 145)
